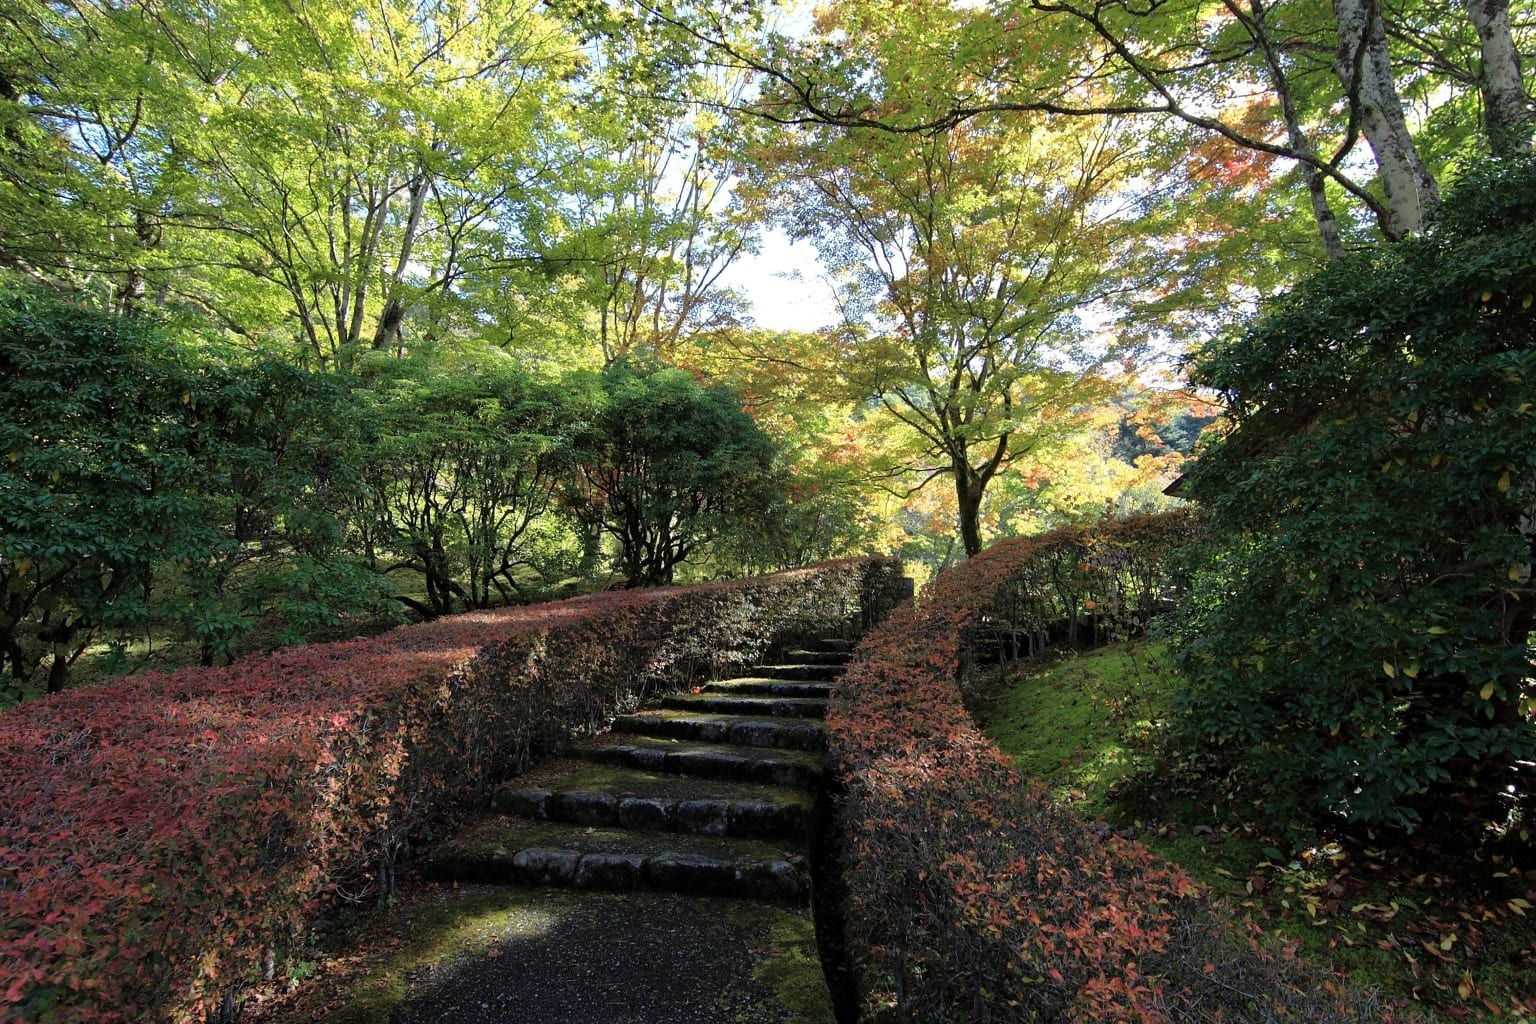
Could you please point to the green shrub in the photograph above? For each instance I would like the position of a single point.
(1358, 638)
(667, 465)
(150, 475)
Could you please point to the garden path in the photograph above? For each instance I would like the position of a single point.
(660, 872)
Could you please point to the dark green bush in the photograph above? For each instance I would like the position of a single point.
(668, 464)
(1359, 636)
(149, 475)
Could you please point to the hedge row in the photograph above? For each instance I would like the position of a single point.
(971, 896)
(166, 841)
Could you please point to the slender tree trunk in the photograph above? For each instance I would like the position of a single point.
(1364, 68)
(1322, 210)
(969, 489)
(1506, 106)
(388, 330)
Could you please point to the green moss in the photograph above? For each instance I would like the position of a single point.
(432, 933)
(1082, 723)
(573, 775)
(789, 964)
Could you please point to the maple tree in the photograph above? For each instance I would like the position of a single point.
(1321, 88)
(967, 259)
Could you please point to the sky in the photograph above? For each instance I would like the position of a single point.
(785, 286)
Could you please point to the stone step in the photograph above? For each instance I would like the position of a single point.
(510, 850)
(583, 793)
(747, 704)
(822, 673)
(803, 768)
(835, 658)
(782, 733)
(835, 644)
(771, 687)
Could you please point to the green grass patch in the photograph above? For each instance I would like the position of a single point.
(1082, 722)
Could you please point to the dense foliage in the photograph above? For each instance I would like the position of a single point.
(668, 465)
(1360, 637)
(462, 453)
(162, 485)
(169, 840)
(971, 896)
(146, 476)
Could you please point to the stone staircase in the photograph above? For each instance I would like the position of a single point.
(659, 872)
(710, 793)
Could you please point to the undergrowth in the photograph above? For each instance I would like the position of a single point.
(1450, 933)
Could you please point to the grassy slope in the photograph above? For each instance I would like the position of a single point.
(1454, 941)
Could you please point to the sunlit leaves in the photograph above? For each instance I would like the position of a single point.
(967, 261)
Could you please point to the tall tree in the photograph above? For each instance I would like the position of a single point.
(652, 223)
(340, 176)
(968, 258)
(385, 159)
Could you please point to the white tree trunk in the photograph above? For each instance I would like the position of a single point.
(1507, 108)
(1364, 68)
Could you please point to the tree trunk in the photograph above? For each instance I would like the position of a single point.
(968, 492)
(1364, 68)
(387, 333)
(1322, 210)
(1507, 108)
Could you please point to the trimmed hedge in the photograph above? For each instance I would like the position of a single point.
(167, 840)
(970, 895)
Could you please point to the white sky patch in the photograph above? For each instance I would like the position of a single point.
(786, 285)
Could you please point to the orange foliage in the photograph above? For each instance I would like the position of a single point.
(971, 895)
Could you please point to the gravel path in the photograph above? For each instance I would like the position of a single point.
(624, 958)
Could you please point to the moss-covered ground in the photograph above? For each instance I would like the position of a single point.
(1449, 934)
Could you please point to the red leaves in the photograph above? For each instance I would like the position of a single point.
(970, 878)
(159, 834)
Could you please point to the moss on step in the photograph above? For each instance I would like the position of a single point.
(510, 833)
(574, 775)
(756, 731)
(800, 768)
(790, 966)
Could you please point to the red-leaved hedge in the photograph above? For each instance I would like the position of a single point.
(167, 839)
(970, 895)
